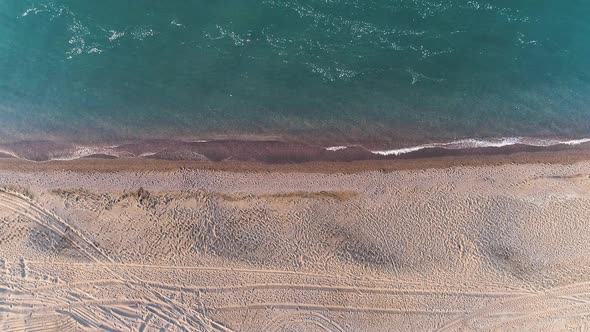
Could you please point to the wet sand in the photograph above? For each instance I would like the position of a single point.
(493, 242)
(337, 162)
(277, 151)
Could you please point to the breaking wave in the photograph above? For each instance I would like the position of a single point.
(475, 143)
(265, 151)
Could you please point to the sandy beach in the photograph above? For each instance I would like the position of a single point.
(440, 244)
(294, 166)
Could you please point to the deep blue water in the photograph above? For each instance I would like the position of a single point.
(327, 70)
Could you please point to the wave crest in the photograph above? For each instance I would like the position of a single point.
(481, 143)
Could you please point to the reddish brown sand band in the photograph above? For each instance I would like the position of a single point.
(265, 151)
(421, 161)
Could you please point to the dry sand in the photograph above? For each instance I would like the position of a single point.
(462, 248)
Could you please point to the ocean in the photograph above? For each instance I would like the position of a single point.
(387, 73)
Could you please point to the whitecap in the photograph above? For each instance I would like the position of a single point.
(481, 143)
(115, 35)
(84, 151)
(336, 148)
(142, 33)
(30, 10)
(576, 141)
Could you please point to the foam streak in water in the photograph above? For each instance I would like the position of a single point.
(480, 143)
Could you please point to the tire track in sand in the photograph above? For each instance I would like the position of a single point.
(28, 208)
(276, 286)
(517, 306)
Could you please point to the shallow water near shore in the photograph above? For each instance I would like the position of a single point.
(279, 151)
(338, 72)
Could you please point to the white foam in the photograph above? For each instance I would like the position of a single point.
(397, 152)
(85, 151)
(142, 33)
(481, 143)
(576, 141)
(336, 148)
(9, 153)
(28, 11)
(115, 35)
(94, 50)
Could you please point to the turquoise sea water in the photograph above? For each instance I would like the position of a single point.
(326, 70)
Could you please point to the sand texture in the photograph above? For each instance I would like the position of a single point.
(478, 248)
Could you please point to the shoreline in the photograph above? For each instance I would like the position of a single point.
(277, 151)
(421, 160)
